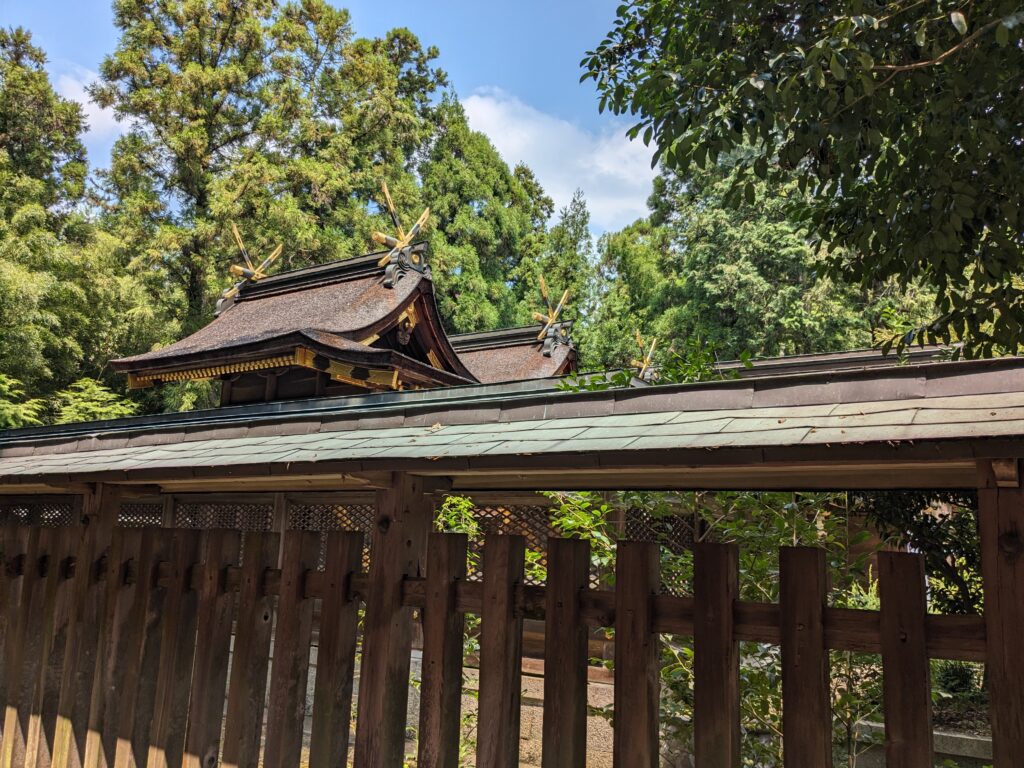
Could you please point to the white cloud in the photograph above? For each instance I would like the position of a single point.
(613, 172)
(71, 81)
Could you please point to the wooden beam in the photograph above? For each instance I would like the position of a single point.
(501, 640)
(1001, 517)
(635, 724)
(398, 550)
(443, 628)
(806, 695)
(336, 652)
(716, 658)
(906, 685)
(565, 655)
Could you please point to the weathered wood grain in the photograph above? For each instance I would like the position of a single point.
(501, 639)
(565, 655)
(336, 652)
(213, 649)
(398, 550)
(166, 741)
(289, 673)
(443, 628)
(1001, 518)
(716, 660)
(906, 684)
(635, 723)
(250, 658)
(806, 695)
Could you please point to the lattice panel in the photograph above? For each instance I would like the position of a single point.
(45, 513)
(334, 517)
(239, 516)
(532, 522)
(140, 515)
(675, 534)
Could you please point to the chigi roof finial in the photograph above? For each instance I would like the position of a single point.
(248, 273)
(552, 331)
(403, 256)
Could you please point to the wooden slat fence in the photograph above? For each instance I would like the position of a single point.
(166, 605)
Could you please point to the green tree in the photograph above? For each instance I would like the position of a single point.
(488, 219)
(64, 303)
(269, 114)
(902, 120)
(15, 409)
(566, 261)
(741, 279)
(89, 400)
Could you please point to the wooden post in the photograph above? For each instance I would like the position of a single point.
(637, 581)
(501, 653)
(716, 658)
(565, 655)
(99, 514)
(1001, 517)
(213, 648)
(806, 696)
(166, 740)
(23, 658)
(293, 633)
(101, 741)
(247, 688)
(443, 627)
(336, 652)
(142, 653)
(906, 685)
(398, 550)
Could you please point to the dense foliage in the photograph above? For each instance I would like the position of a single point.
(901, 119)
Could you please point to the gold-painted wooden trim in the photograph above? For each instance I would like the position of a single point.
(379, 378)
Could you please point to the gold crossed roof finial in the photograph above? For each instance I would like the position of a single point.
(400, 243)
(250, 271)
(644, 364)
(553, 311)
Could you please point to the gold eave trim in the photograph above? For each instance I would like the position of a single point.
(376, 378)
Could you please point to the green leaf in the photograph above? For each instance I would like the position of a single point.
(959, 21)
(838, 70)
(921, 35)
(1002, 35)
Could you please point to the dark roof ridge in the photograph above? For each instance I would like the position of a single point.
(316, 275)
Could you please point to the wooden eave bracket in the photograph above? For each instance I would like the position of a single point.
(1006, 473)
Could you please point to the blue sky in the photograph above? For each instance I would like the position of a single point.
(514, 65)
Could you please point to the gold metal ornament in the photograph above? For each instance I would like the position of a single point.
(553, 311)
(249, 272)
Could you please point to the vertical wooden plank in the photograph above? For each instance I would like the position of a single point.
(716, 665)
(635, 723)
(24, 659)
(501, 656)
(15, 546)
(398, 550)
(443, 630)
(101, 739)
(138, 670)
(1001, 518)
(99, 514)
(15, 554)
(289, 674)
(166, 739)
(60, 593)
(806, 695)
(565, 655)
(250, 658)
(336, 652)
(213, 649)
(906, 685)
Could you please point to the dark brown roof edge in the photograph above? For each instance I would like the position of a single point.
(539, 400)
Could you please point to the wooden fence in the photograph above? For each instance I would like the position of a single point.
(116, 652)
